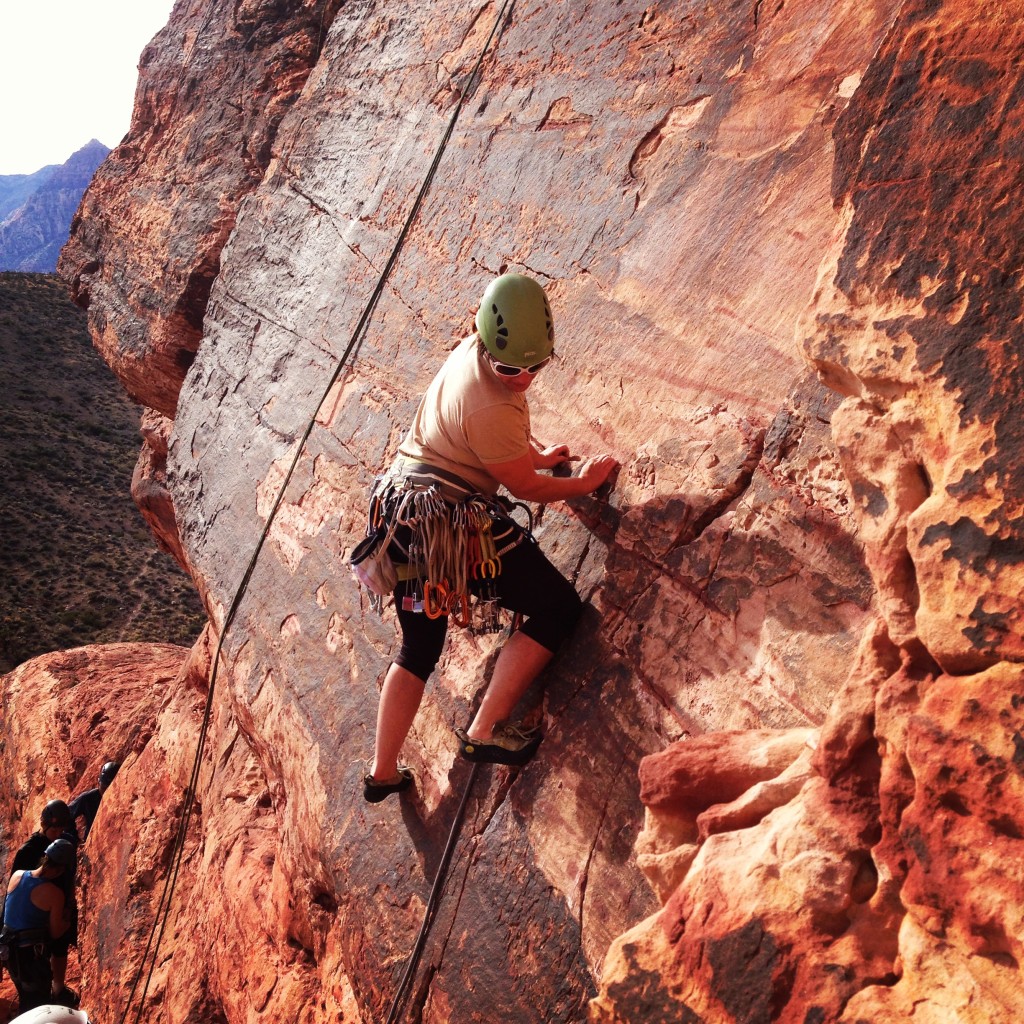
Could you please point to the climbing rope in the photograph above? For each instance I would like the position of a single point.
(405, 985)
(163, 910)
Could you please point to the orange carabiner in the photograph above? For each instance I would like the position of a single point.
(473, 556)
(432, 591)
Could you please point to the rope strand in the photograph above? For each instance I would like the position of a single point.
(163, 910)
(398, 1003)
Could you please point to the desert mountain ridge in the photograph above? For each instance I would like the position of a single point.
(78, 561)
(36, 210)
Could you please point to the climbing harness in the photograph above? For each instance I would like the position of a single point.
(25, 955)
(162, 916)
(442, 552)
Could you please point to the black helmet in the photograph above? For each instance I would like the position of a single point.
(62, 852)
(55, 814)
(107, 773)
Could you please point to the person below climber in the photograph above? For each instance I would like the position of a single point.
(35, 916)
(55, 822)
(470, 436)
(84, 807)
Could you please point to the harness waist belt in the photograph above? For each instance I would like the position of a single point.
(449, 484)
(25, 936)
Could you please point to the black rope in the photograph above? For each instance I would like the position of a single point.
(162, 915)
(405, 985)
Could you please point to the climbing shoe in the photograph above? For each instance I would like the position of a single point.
(66, 997)
(512, 743)
(374, 791)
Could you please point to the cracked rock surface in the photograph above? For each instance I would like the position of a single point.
(801, 585)
(879, 878)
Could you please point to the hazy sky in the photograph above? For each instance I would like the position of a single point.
(67, 75)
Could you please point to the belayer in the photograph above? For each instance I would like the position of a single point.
(35, 916)
(447, 546)
(56, 823)
(85, 806)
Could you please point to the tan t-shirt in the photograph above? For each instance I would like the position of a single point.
(468, 420)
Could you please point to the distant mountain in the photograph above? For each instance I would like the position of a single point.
(36, 209)
(16, 188)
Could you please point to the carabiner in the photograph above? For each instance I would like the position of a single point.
(438, 591)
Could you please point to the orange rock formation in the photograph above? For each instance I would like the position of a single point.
(783, 252)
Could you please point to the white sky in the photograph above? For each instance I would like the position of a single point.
(67, 74)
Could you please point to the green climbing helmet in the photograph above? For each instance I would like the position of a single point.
(514, 321)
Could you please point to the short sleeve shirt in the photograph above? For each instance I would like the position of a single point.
(468, 420)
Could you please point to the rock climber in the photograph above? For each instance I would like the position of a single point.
(35, 917)
(470, 436)
(55, 823)
(84, 807)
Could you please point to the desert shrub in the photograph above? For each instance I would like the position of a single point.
(74, 541)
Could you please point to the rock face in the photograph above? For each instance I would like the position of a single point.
(734, 210)
(145, 248)
(888, 886)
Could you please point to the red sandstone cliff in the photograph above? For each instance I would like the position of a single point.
(879, 878)
(783, 253)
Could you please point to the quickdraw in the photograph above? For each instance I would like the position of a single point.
(451, 546)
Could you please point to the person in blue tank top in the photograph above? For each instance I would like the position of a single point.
(34, 915)
(55, 822)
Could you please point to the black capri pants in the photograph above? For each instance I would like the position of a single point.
(528, 583)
